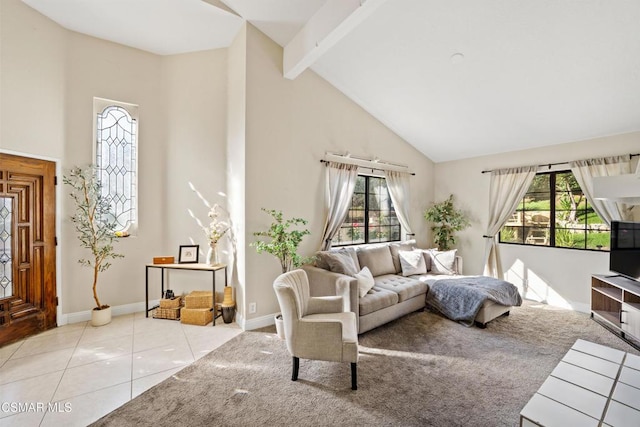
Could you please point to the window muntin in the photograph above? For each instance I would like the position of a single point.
(555, 212)
(371, 217)
(116, 160)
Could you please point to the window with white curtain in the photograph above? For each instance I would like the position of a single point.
(116, 146)
(555, 212)
(372, 217)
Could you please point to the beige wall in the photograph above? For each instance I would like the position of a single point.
(32, 81)
(290, 126)
(559, 276)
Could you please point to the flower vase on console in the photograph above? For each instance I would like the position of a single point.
(212, 254)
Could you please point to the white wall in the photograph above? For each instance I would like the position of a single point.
(290, 126)
(558, 276)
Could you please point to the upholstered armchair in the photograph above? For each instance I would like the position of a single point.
(316, 327)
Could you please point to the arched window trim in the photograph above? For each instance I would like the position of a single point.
(99, 106)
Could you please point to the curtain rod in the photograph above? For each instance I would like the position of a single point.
(369, 167)
(555, 164)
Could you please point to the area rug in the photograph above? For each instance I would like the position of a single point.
(420, 370)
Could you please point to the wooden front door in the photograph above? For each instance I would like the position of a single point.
(27, 247)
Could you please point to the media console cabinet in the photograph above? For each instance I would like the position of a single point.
(615, 300)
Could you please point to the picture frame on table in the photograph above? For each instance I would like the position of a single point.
(188, 254)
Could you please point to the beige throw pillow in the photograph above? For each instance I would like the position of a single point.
(365, 281)
(341, 262)
(443, 262)
(412, 262)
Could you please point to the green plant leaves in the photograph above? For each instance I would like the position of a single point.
(447, 220)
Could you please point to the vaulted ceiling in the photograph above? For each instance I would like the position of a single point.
(456, 78)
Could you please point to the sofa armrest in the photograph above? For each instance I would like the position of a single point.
(457, 265)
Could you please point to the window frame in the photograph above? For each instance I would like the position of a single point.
(99, 105)
(366, 241)
(553, 194)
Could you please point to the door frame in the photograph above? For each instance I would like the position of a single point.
(61, 319)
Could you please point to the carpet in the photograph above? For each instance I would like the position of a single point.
(420, 370)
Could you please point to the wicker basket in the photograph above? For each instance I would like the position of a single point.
(167, 313)
(199, 299)
(170, 303)
(196, 316)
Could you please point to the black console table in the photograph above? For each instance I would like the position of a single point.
(190, 267)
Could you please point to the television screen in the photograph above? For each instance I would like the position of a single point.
(624, 257)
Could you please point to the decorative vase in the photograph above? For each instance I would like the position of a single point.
(228, 305)
(212, 254)
(100, 317)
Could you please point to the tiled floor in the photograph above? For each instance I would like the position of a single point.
(75, 374)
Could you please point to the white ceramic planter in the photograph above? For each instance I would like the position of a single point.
(100, 317)
(279, 326)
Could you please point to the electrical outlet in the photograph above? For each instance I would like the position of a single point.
(252, 307)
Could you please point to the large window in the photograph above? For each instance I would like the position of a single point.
(371, 217)
(555, 212)
(116, 159)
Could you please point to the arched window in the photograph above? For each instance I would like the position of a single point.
(116, 159)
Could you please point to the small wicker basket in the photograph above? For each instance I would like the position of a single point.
(196, 316)
(167, 313)
(199, 299)
(170, 303)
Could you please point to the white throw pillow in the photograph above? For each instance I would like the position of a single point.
(365, 281)
(442, 262)
(412, 262)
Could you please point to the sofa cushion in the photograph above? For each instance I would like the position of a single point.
(405, 287)
(341, 262)
(365, 281)
(378, 259)
(377, 299)
(443, 262)
(321, 257)
(412, 262)
(395, 247)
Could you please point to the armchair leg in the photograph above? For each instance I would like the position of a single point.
(296, 368)
(354, 376)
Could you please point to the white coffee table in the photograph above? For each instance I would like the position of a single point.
(593, 385)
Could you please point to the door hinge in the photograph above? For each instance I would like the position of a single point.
(55, 240)
(55, 180)
(56, 301)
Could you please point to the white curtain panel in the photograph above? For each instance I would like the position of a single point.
(507, 188)
(398, 185)
(586, 170)
(340, 183)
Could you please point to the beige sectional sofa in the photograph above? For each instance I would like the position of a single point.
(393, 295)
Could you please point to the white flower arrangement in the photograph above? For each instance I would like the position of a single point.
(216, 228)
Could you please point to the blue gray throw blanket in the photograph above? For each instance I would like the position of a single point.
(460, 299)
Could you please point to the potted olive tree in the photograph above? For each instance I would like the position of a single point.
(446, 221)
(94, 225)
(283, 243)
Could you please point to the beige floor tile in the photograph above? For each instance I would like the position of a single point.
(23, 419)
(161, 359)
(7, 351)
(78, 326)
(33, 366)
(42, 344)
(39, 389)
(94, 376)
(143, 384)
(145, 325)
(158, 338)
(101, 350)
(89, 407)
(101, 333)
(202, 344)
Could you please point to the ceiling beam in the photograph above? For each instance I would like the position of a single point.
(334, 20)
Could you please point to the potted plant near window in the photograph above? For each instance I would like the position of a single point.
(94, 225)
(447, 220)
(284, 243)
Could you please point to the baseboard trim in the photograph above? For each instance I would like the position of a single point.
(117, 310)
(258, 322)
